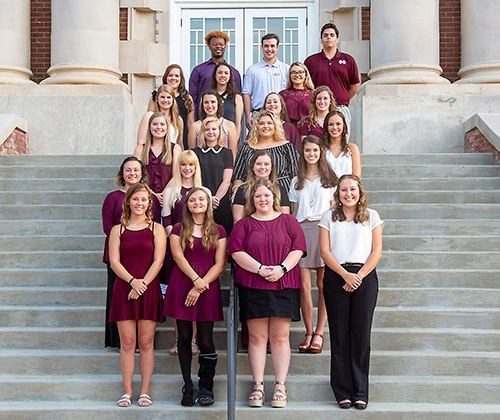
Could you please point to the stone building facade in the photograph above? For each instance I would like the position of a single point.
(80, 73)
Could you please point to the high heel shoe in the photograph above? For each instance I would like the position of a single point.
(316, 348)
(305, 345)
(279, 396)
(256, 398)
(187, 395)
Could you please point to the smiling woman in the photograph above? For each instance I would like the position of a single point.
(136, 251)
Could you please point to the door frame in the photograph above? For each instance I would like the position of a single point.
(176, 6)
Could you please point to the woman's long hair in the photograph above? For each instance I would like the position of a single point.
(284, 111)
(203, 142)
(313, 111)
(187, 156)
(252, 178)
(174, 110)
(167, 145)
(220, 104)
(273, 187)
(327, 176)
(184, 94)
(120, 181)
(327, 141)
(279, 133)
(308, 84)
(361, 207)
(125, 218)
(210, 232)
(230, 86)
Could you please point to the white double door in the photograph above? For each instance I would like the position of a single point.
(245, 28)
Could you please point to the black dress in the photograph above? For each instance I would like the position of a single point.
(213, 161)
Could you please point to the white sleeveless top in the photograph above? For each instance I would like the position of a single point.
(341, 165)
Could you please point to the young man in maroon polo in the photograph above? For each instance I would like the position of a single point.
(334, 69)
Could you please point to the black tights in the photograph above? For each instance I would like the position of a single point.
(205, 340)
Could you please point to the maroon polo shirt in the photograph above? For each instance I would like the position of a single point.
(338, 73)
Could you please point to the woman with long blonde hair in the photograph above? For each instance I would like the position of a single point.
(298, 92)
(267, 134)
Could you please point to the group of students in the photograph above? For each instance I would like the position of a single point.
(281, 203)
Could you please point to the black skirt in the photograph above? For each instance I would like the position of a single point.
(257, 303)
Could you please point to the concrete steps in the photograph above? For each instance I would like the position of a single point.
(436, 333)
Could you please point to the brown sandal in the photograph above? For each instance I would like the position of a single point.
(317, 348)
(256, 398)
(305, 346)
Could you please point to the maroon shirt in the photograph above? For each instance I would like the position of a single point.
(297, 103)
(338, 73)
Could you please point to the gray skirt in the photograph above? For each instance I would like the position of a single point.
(311, 232)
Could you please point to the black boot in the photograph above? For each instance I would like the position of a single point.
(206, 373)
(187, 394)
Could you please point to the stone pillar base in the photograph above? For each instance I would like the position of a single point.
(406, 74)
(483, 73)
(80, 74)
(15, 75)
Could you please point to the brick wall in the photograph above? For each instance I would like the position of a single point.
(449, 38)
(475, 142)
(15, 144)
(124, 34)
(40, 39)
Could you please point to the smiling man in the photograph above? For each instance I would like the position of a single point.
(266, 76)
(334, 69)
(201, 75)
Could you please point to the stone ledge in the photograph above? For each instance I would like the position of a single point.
(482, 135)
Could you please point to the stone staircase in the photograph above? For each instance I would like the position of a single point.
(436, 335)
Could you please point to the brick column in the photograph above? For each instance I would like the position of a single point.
(480, 40)
(85, 42)
(405, 42)
(15, 42)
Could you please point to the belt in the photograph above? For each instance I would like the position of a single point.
(346, 265)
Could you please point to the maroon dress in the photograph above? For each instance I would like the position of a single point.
(307, 129)
(297, 103)
(209, 304)
(158, 173)
(171, 220)
(136, 255)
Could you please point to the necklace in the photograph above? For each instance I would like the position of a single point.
(198, 224)
(312, 194)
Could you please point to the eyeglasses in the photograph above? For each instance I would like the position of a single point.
(297, 73)
(215, 45)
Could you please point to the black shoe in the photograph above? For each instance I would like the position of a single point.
(345, 404)
(187, 395)
(205, 397)
(360, 405)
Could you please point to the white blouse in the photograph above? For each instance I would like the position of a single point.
(350, 242)
(313, 199)
(341, 165)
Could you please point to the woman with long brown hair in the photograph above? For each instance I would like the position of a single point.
(136, 250)
(311, 194)
(322, 102)
(199, 250)
(174, 77)
(350, 240)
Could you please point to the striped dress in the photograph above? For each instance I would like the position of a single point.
(286, 160)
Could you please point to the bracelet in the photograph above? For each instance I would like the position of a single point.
(195, 279)
(285, 270)
(258, 271)
(131, 280)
